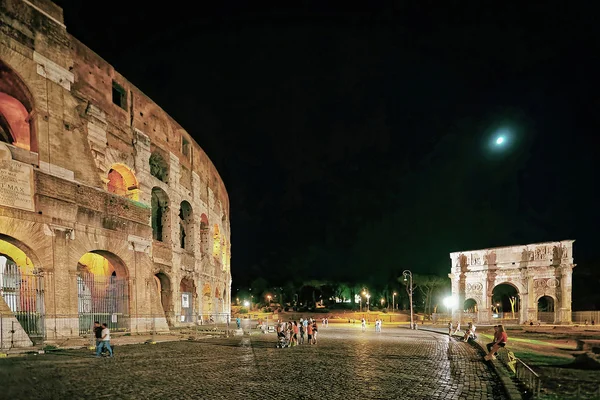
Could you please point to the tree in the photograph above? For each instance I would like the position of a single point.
(427, 285)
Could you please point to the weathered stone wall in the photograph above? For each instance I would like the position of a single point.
(78, 134)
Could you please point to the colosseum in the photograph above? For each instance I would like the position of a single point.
(109, 210)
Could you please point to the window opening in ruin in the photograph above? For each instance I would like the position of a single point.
(122, 182)
(186, 148)
(216, 243)
(204, 232)
(160, 214)
(163, 284)
(158, 167)
(16, 107)
(186, 225)
(187, 290)
(5, 132)
(119, 95)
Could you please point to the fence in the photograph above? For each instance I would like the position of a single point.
(579, 317)
(528, 377)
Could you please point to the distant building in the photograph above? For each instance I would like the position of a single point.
(539, 276)
(108, 208)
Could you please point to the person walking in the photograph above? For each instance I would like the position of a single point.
(97, 333)
(105, 342)
(364, 325)
(238, 322)
(450, 328)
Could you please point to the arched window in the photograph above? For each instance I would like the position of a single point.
(16, 106)
(160, 215)
(186, 226)
(159, 167)
(216, 243)
(122, 182)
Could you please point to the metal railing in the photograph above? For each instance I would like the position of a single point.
(528, 377)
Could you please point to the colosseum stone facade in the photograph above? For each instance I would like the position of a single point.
(109, 209)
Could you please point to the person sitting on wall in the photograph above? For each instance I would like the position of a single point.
(500, 339)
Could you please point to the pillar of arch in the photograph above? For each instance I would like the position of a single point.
(16, 108)
(161, 222)
(159, 168)
(204, 234)
(122, 182)
(187, 298)
(534, 270)
(165, 296)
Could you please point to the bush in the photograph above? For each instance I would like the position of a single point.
(385, 311)
(243, 310)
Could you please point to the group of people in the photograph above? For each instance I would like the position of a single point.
(378, 323)
(469, 332)
(294, 332)
(102, 334)
(500, 337)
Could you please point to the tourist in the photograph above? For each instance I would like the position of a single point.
(457, 328)
(363, 324)
(105, 342)
(302, 331)
(500, 339)
(97, 333)
(295, 333)
(450, 328)
(315, 331)
(238, 321)
(326, 322)
(470, 333)
(309, 331)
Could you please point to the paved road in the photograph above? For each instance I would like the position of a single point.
(345, 364)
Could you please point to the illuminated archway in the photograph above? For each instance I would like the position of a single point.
(470, 306)
(16, 105)
(122, 182)
(103, 291)
(545, 309)
(21, 288)
(505, 301)
(165, 293)
(187, 288)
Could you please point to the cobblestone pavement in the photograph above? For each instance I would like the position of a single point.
(345, 364)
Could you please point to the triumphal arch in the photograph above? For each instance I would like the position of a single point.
(539, 272)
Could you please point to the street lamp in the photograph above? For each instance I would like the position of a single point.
(450, 302)
(382, 301)
(269, 298)
(246, 303)
(368, 297)
(410, 294)
(393, 298)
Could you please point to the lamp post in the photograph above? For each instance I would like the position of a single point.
(393, 298)
(382, 301)
(368, 297)
(410, 294)
(269, 299)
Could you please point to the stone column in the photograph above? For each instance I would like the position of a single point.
(62, 317)
(529, 305)
(564, 316)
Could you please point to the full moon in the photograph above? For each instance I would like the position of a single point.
(500, 140)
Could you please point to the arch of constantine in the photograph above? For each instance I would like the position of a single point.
(539, 274)
(109, 210)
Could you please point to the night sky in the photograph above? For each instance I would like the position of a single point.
(356, 142)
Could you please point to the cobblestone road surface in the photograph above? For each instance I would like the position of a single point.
(345, 364)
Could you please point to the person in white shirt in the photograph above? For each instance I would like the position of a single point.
(104, 342)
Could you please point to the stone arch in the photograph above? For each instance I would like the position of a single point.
(187, 290)
(21, 254)
(165, 292)
(546, 308)
(103, 290)
(470, 305)
(122, 182)
(501, 299)
(204, 232)
(161, 217)
(159, 168)
(16, 109)
(186, 226)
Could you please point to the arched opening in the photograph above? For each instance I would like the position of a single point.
(204, 232)
(165, 293)
(187, 290)
(545, 308)
(21, 289)
(470, 306)
(16, 106)
(206, 301)
(159, 167)
(103, 291)
(505, 301)
(122, 182)
(186, 226)
(160, 215)
(216, 244)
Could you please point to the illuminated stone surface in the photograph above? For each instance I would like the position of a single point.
(345, 364)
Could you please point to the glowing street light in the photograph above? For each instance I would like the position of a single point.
(500, 140)
(393, 298)
(450, 302)
(410, 295)
(269, 298)
(246, 303)
(368, 297)
(382, 301)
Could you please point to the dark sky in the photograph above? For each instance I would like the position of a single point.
(354, 142)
